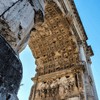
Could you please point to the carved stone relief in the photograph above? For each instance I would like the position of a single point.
(62, 87)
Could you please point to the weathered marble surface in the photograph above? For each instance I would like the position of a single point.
(17, 18)
(61, 62)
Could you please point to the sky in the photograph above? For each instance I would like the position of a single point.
(89, 11)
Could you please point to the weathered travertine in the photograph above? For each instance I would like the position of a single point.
(62, 55)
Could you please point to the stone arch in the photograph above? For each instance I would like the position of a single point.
(54, 45)
(53, 42)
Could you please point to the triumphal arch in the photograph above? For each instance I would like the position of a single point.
(58, 41)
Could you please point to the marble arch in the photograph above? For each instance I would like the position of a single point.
(59, 44)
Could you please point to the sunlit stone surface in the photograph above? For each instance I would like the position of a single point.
(62, 55)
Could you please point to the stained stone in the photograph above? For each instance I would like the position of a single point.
(18, 17)
(10, 71)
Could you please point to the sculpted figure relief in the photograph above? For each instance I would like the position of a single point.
(58, 88)
(15, 19)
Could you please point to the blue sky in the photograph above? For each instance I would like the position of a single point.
(90, 16)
